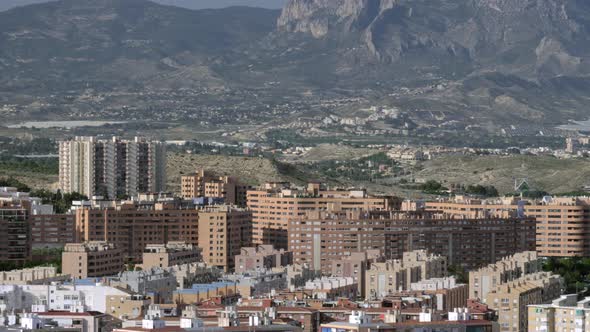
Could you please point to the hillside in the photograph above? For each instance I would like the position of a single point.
(483, 63)
(59, 45)
(544, 173)
(253, 171)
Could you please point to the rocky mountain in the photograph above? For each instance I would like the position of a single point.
(471, 29)
(477, 61)
(518, 58)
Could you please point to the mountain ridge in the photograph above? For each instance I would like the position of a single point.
(484, 62)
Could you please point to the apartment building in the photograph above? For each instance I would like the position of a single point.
(563, 314)
(170, 254)
(75, 319)
(127, 306)
(91, 259)
(487, 278)
(132, 226)
(111, 168)
(202, 292)
(511, 284)
(355, 265)
(157, 283)
(15, 234)
(10, 196)
(449, 294)
(393, 275)
(320, 238)
(36, 275)
(332, 288)
(204, 183)
(223, 232)
(261, 257)
(562, 224)
(52, 230)
(58, 296)
(511, 299)
(18, 210)
(274, 204)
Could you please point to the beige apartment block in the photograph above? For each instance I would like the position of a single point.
(397, 275)
(564, 314)
(355, 266)
(204, 183)
(130, 306)
(170, 254)
(511, 299)
(91, 259)
(449, 294)
(223, 232)
(28, 276)
(562, 224)
(487, 278)
(261, 257)
(274, 204)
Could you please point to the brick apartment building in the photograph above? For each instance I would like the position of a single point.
(223, 231)
(261, 257)
(398, 274)
(320, 238)
(16, 209)
(91, 259)
(132, 226)
(274, 204)
(15, 234)
(204, 183)
(170, 254)
(52, 230)
(562, 227)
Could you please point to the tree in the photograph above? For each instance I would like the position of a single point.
(433, 187)
(12, 182)
(459, 273)
(61, 202)
(486, 191)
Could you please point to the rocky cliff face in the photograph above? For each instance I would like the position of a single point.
(464, 28)
(320, 17)
(503, 55)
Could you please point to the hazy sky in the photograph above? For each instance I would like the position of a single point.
(193, 4)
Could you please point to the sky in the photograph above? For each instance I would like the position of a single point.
(193, 4)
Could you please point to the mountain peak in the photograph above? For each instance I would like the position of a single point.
(318, 17)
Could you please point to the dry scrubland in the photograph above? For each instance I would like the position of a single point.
(544, 173)
(324, 152)
(250, 170)
(33, 179)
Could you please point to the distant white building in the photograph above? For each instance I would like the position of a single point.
(57, 297)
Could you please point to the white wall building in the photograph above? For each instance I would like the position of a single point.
(56, 297)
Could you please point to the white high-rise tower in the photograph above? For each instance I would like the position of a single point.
(111, 168)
